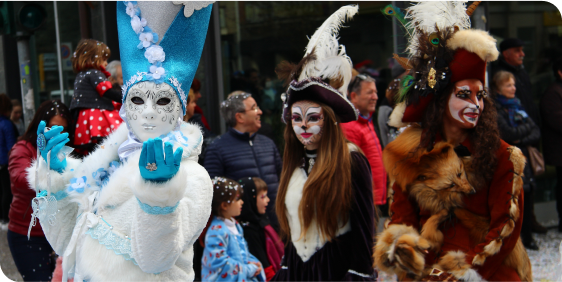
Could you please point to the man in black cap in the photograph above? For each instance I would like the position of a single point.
(511, 60)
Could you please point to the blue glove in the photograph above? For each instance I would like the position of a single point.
(53, 141)
(152, 164)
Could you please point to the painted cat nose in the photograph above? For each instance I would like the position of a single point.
(303, 127)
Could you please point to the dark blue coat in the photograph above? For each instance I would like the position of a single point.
(8, 139)
(235, 155)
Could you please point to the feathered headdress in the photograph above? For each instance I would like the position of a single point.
(331, 62)
(325, 71)
(442, 50)
(430, 17)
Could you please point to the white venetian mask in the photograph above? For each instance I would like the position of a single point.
(152, 109)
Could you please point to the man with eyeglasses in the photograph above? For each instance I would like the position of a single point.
(241, 151)
(362, 92)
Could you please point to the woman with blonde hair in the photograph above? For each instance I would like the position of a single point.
(518, 129)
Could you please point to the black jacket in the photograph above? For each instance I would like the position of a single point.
(523, 84)
(551, 111)
(235, 155)
(527, 133)
(86, 96)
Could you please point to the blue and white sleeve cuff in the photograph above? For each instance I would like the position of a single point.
(157, 210)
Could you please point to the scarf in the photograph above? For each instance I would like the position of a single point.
(105, 72)
(514, 109)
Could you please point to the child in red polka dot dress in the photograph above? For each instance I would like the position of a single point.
(96, 103)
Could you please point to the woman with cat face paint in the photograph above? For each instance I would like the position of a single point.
(444, 98)
(325, 199)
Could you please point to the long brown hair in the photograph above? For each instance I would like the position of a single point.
(327, 191)
(484, 138)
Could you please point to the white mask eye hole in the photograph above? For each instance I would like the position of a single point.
(137, 100)
(163, 101)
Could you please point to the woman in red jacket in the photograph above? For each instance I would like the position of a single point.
(32, 257)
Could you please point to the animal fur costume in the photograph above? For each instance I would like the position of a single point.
(481, 240)
(429, 184)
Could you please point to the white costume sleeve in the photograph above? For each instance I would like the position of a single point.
(59, 231)
(170, 215)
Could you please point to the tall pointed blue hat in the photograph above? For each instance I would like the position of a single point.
(162, 42)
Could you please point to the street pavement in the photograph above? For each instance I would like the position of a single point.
(6, 262)
(545, 261)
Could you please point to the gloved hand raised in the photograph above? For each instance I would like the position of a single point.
(52, 140)
(154, 166)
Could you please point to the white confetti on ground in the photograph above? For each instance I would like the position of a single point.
(545, 262)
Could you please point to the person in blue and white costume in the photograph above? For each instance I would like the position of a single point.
(133, 208)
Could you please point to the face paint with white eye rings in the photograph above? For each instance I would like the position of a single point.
(152, 109)
(308, 121)
(465, 105)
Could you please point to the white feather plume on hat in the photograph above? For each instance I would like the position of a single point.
(331, 60)
(425, 16)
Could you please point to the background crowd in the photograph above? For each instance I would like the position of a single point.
(247, 155)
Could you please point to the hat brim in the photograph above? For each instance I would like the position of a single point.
(318, 91)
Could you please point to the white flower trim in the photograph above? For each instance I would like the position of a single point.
(146, 38)
(131, 9)
(138, 24)
(154, 53)
(156, 72)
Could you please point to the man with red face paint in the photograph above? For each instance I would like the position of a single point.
(444, 100)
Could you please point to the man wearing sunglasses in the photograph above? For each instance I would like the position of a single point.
(362, 92)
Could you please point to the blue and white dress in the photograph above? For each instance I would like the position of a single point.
(226, 256)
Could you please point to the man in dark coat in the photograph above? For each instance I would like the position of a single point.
(551, 111)
(511, 60)
(241, 151)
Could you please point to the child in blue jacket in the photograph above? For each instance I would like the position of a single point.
(226, 256)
